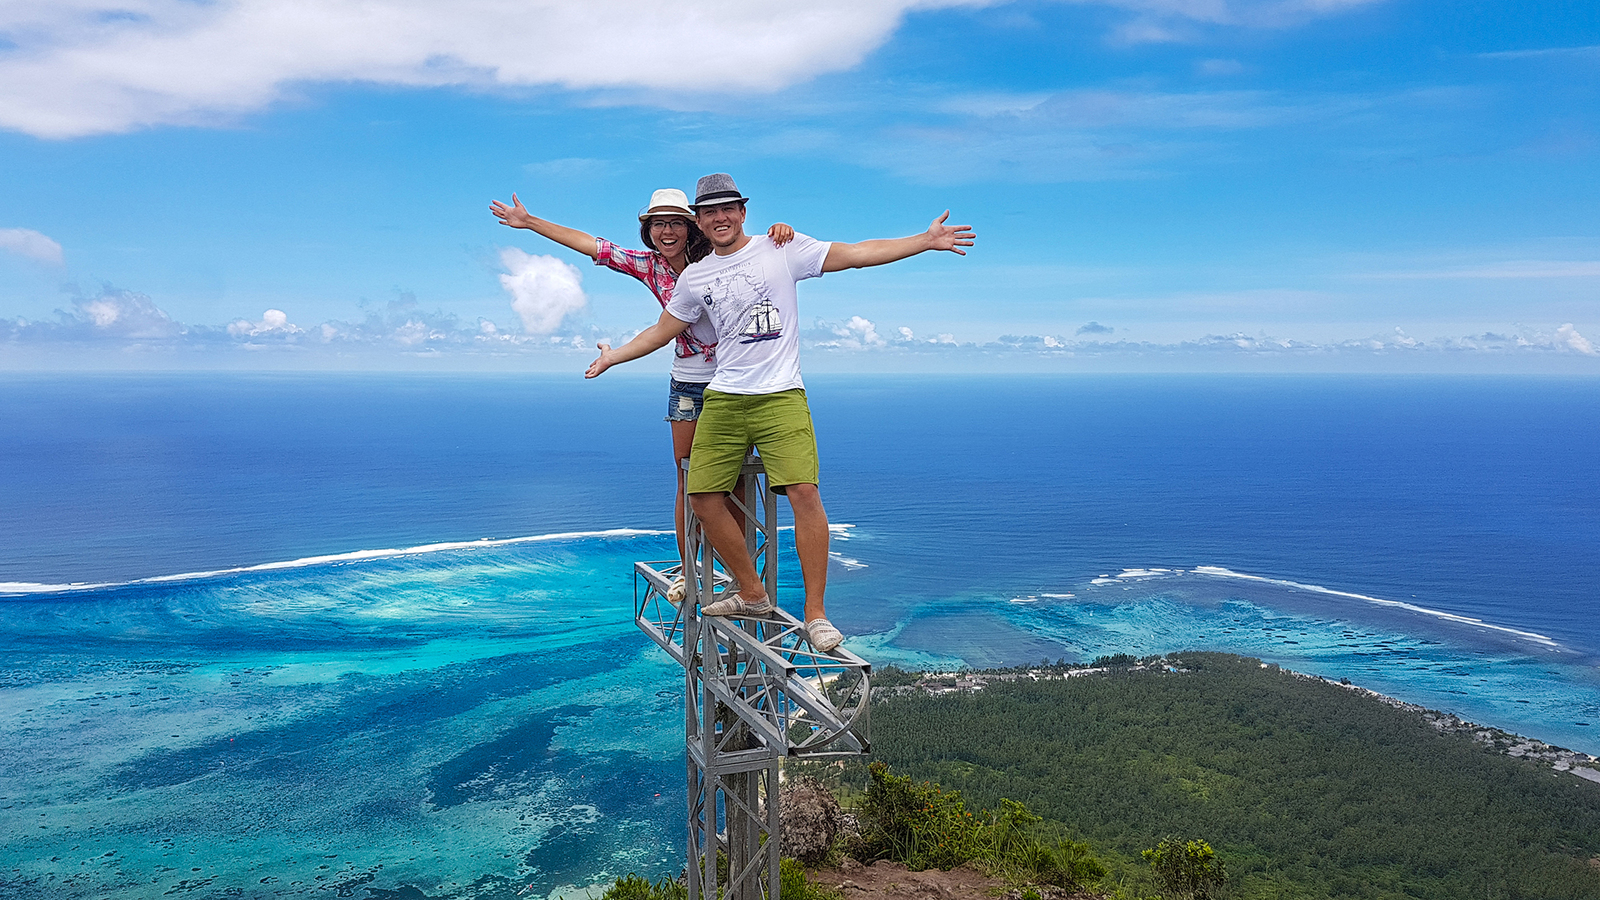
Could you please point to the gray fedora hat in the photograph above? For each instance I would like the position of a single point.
(716, 188)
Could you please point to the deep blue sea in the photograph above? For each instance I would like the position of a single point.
(284, 636)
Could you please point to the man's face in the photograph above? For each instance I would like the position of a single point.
(723, 223)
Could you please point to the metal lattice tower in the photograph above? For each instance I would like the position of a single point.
(754, 692)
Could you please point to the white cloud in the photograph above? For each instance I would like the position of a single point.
(544, 290)
(1219, 67)
(113, 316)
(1090, 133)
(1397, 344)
(855, 334)
(1506, 269)
(1568, 337)
(273, 322)
(31, 244)
(126, 320)
(127, 314)
(862, 331)
(122, 319)
(82, 67)
(1167, 20)
(1591, 50)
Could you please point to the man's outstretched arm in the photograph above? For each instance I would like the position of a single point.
(939, 236)
(643, 344)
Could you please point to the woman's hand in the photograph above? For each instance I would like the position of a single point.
(514, 215)
(780, 234)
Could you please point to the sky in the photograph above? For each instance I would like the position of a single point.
(1255, 185)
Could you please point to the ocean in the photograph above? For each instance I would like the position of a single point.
(341, 635)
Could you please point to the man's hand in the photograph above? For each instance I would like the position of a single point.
(939, 236)
(945, 237)
(602, 363)
(645, 342)
(514, 215)
(780, 234)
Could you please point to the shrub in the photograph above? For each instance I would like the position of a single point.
(795, 886)
(927, 827)
(918, 824)
(1187, 869)
(635, 887)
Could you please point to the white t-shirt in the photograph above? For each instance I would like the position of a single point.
(749, 298)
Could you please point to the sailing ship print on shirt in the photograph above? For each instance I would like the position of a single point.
(764, 324)
(740, 305)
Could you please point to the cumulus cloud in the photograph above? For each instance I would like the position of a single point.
(1094, 328)
(1568, 337)
(113, 316)
(273, 322)
(125, 314)
(31, 244)
(82, 67)
(862, 331)
(856, 333)
(544, 290)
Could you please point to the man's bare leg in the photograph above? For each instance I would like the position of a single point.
(811, 544)
(726, 534)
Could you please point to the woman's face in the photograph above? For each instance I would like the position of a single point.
(670, 234)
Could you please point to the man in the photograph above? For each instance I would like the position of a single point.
(746, 289)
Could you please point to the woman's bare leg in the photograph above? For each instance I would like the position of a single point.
(682, 443)
(682, 440)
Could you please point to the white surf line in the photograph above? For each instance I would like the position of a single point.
(1220, 572)
(24, 587)
(840, 530)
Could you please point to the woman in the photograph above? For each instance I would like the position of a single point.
(668, 229)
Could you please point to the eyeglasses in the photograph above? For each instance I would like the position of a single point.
(664, 224)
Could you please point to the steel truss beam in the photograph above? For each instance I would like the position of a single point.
(765, 694)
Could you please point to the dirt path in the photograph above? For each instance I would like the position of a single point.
(886, 880)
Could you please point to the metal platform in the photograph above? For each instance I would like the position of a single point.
(755, 692)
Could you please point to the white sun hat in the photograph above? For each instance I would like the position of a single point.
(667, 202)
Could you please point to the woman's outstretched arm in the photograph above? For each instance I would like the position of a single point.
(516, 216)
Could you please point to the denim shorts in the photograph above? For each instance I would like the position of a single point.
(684, 400)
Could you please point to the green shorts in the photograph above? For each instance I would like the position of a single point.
(777, 425)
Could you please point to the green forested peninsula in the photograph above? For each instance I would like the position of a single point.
(1305, 788)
